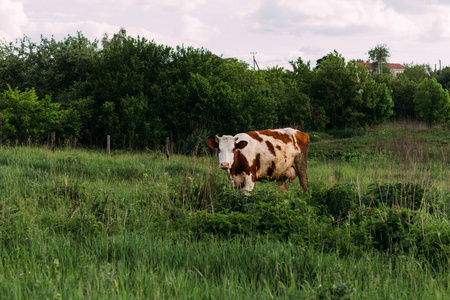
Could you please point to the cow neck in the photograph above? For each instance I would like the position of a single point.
(232, 172)
(240, 164)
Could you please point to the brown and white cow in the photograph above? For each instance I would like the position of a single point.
(273, 154)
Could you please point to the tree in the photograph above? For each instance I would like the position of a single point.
(444, 78)
(140, 126)
(260, 101)
(333, 90)
(55, 69)
(379, 55)
(50, 67)
(340, 95)
(432, 102)
(403, 91)
(302, 72)
(127, 82)
(13, 64)
(294, 107)
(140, 92)
(108, 121)
(376, 105)
(416, 73)
(26, 117)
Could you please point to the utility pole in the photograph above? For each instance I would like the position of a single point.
(255, 64)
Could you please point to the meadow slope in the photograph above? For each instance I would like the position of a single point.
(78, 224)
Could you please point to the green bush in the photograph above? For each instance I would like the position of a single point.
(263, 212)
(434, 241)
(432, 102)
(337, 201)
(388, 230)
(28, 118)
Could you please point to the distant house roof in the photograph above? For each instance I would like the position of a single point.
(389, 66)
(395, 66)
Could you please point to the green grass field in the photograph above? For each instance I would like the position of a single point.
(76, 224)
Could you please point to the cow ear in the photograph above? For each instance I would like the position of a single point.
(212, 144)
(241, 145)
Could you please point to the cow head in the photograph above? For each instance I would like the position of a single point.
(227, 147)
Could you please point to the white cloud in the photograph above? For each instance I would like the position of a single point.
(438, 29)
(195, 30)
(436, 24)
(90, 29)
(330, 17)
(183, 5)
(12, 19)
(279, 30)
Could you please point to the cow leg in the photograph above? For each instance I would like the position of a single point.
(249, 184)
(282, 185)
(301, 165)
(232, 181)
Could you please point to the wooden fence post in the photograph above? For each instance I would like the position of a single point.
(108, 145)
(166, 148)
(53, 141)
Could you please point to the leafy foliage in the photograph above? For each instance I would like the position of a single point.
(139, 92)
(444, 78)
(379, 55)
(432, 102)
(403, 91)
(26, 117)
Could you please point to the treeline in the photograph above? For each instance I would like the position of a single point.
(139, 92)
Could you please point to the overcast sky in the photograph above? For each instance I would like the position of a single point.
(415, 31)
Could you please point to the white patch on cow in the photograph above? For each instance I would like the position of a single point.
(226, 151)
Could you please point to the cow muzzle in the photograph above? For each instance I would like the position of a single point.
(224, 165)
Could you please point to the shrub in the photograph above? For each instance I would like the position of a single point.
(264, 212)
(337, 201)
(434, 241)
(389, 230)
(432, 102)
(26, 117)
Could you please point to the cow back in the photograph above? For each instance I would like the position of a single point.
(270, 154)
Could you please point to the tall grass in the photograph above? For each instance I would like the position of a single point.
(397, 152)
(77, 224)
(150, 266)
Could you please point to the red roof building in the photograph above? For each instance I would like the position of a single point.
(394, 68)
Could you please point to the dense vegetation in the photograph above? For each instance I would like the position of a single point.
(79, 224)
(140, 92)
